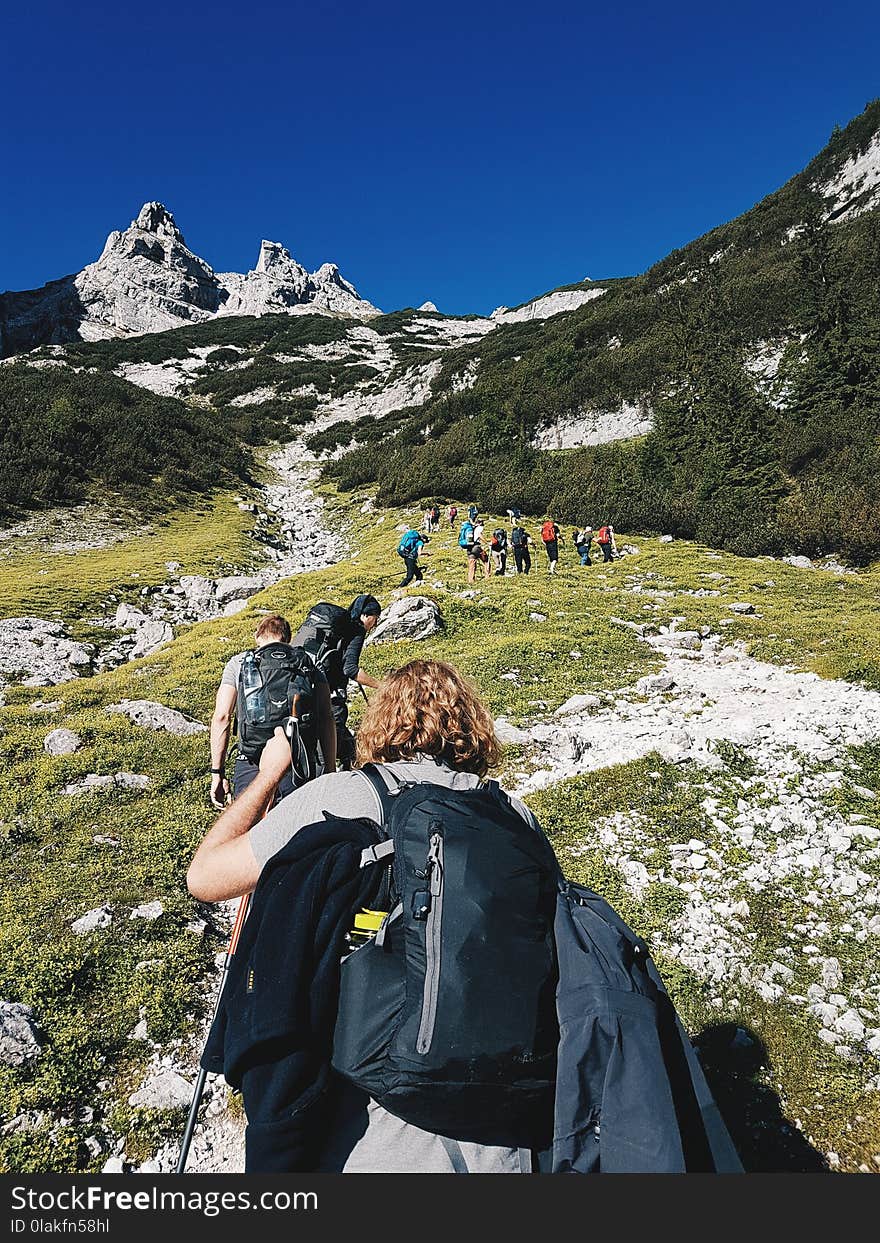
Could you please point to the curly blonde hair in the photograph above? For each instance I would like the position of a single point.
(428, 708)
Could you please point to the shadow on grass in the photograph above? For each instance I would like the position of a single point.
(733, 1059)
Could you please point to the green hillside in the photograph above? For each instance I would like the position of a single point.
(791, 465)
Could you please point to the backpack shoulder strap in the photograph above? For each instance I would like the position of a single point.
(382, 790)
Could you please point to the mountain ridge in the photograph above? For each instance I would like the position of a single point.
(146, 279)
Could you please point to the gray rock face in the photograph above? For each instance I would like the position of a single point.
(19, 1035)
(279, 284)
(62, 742)
(742, 607)
(34, 652)
(147, 280)
(412, 617)
(151, 715)
(166, 1090)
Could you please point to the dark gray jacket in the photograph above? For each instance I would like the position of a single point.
(631, 1096)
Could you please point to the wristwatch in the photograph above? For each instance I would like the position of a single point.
(216, 772)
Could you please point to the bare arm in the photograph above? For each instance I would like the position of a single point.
(364, 679)
(224, 865)
(221, 722)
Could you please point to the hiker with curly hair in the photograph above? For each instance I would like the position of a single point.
(425, 723)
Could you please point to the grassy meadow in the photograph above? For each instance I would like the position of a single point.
(64, 855)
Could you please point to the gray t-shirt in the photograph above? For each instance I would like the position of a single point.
(363, 1138)
(351, 796)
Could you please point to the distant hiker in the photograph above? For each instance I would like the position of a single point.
(498, 549)
(550, 536)
(605, 540)
(262, 689)
(435, 518)
(334, 636)
(474, 550)
(452, 514)
(454, 1039)
(427, 520)
(410, 546)
(582, 541)
(479, 528)
(514, 514)
(472, 512)
(519, 542)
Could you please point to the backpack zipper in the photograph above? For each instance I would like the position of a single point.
(433, 927)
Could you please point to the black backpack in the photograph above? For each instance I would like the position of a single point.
(447, 1016)
(325, 634)
(275, 682)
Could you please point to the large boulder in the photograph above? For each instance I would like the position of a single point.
(150, 636)
(412, 617)
(61, 742)
(19, 1035)
(151, 715)
(165, 1090)
(237, 587)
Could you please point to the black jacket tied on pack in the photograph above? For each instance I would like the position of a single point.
(273, 1032)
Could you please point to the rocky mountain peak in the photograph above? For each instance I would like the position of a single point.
(274, 256)
(147, 280)
(156, 218)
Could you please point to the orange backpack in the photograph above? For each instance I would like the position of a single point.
(604, 536)
(548, 532)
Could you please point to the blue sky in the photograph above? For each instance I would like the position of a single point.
(471, 153)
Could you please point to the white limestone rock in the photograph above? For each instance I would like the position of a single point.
(163, 1090)
(149, 637)
(578, 703)
(149, 715)
(411, 617)
(507, 733)
(19, 1035)
(62, 742)
(100, 917)
(104, 781)
(550, 304)
(148, 911)
(35, 652)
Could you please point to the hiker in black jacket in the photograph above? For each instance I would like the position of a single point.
(335, 637)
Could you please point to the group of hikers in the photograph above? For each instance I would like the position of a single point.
(490, 550)
(408, 991)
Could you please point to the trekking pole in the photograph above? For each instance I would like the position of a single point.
(240, 917)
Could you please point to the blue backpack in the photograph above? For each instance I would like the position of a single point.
(409, 543)
(466, 535)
